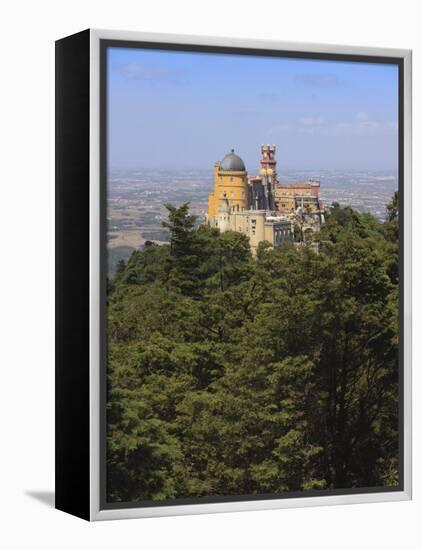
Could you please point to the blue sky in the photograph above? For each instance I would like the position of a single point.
(187, 110)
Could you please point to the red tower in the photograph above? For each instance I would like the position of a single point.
(268, 161)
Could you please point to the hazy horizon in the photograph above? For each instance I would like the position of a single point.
(254, 170)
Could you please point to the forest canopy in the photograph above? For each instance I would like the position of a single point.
(234, 375)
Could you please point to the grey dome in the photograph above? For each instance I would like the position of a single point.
(232, 163)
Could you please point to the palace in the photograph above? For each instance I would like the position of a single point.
(260, 206)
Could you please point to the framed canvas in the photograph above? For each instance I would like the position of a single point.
(233, 275)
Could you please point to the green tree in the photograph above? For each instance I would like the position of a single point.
(233, 375)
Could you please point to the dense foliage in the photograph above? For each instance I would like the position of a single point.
(229, 374)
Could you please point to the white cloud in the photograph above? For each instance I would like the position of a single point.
(360, 127)
(148, 72)
(361, 124)
(362, 116)
(369, 125)
(313, 121)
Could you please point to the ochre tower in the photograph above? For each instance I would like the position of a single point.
(231, 183)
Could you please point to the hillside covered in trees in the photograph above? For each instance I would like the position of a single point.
(233, 375)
